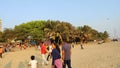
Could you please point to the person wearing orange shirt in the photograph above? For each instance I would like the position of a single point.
(1, 51)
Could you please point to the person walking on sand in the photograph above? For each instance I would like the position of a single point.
(56, 62)
(49, 51)
(33, 63)
(43, 52)
(81, 45)
(66, 54)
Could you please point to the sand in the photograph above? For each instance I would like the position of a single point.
(106, 55)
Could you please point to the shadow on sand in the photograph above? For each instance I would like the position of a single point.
(21, 65)
(118, 66)
(39, 59)
(8, 65)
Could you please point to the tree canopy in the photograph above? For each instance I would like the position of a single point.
(56, 30)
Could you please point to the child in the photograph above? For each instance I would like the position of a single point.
(56, 56)
(33, 63)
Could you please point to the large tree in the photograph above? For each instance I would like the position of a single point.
(41, 30)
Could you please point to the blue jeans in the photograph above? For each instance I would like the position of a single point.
(68, 63)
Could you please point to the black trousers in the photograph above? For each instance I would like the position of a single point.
(68, 63)
(49, 55)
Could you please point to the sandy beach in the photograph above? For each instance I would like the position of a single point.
(106, 55)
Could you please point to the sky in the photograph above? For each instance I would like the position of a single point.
(102, 15)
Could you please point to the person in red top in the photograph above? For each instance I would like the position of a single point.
(43, 52)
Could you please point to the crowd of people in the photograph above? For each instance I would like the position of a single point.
(61, 57)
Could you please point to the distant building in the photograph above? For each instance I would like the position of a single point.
(1, 25)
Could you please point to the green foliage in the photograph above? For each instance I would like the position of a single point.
(33, 29)
(39, 30)
(8, 34)
(104, 35)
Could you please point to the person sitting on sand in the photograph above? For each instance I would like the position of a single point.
(33, 63)
(1, 51)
